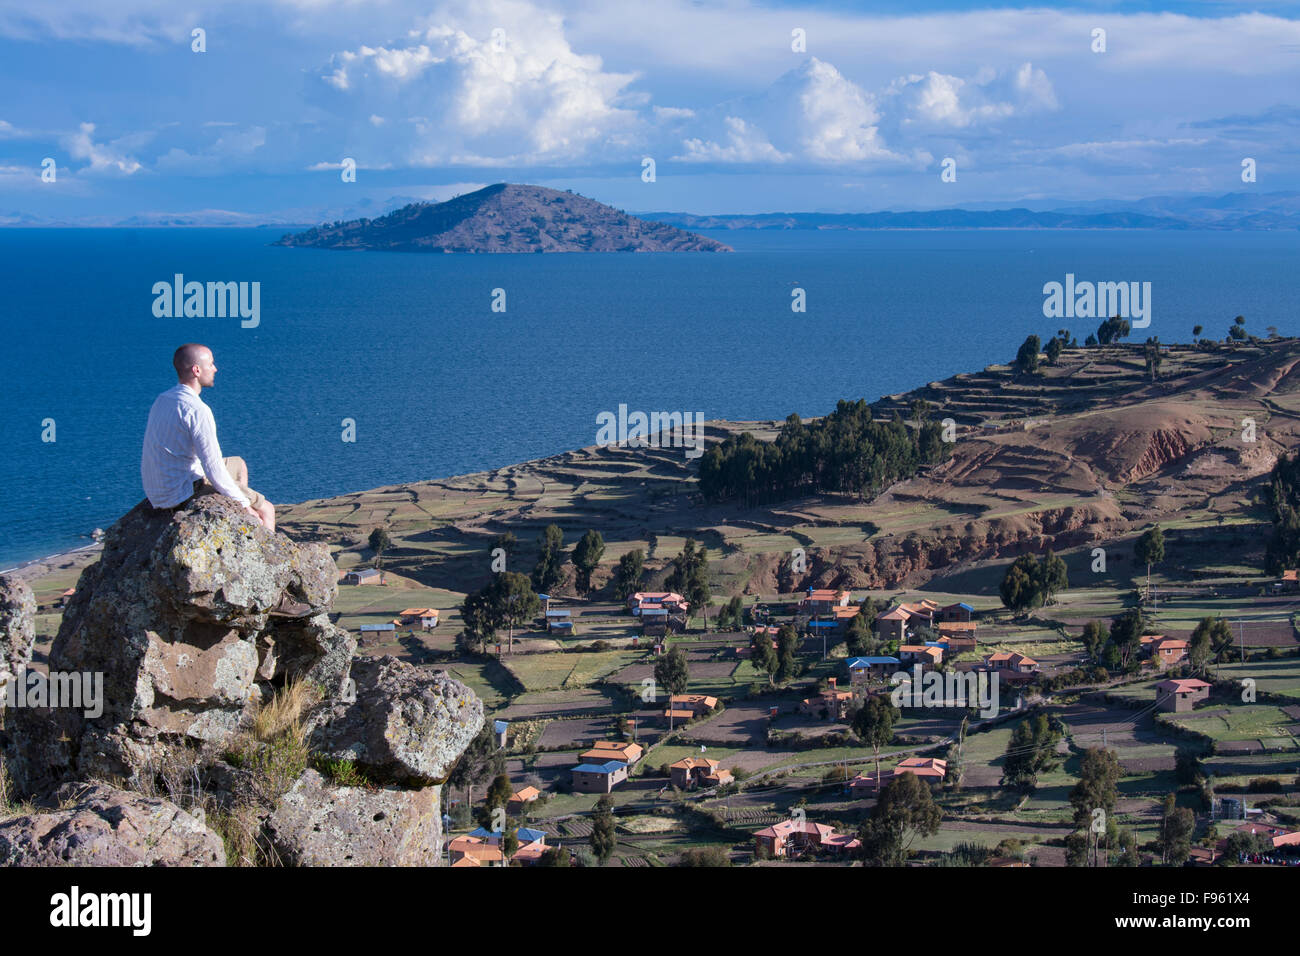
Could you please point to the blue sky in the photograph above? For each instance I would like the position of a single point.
(432, 99)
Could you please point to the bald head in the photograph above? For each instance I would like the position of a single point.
(194, 365)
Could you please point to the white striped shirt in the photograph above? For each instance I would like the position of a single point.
(180, 448)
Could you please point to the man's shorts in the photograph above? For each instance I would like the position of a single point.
(234, 465)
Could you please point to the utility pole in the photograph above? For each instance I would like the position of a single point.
(1241, 639)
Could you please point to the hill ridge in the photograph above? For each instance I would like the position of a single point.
(505, 217)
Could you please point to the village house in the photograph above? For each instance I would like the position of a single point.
(474, 851)
(1276, 835)
(957, 636)
(1011, 667)
(1163, 651)
(603, 751)
(794, 838)
(921, 612)
(520, 799)
(1179, 696)
(482, 847)
(688, 706)
(691, 772)
(927, 654)
(598, 778)
(426, 617)
(362, 576)
(559, 621)
(892, 625)
(657, 599)
(844, 616)
(1290, 581)
(930, 769)
(529, 854)
(829, 704)
(378, 630)
(824, 601)
(871, 668)
(959, 613)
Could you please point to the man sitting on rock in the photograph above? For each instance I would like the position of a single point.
(180, 444)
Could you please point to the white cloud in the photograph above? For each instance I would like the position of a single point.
(744, 144)
(811, 113)
(101, 157)
(522, 97)
(231, 147)
(942, 100)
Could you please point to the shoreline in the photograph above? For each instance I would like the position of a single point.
(23, 569)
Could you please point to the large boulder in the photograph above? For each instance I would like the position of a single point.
(195, 618)
(318, 824)
(17, 627)
(176, 615)
(104, 826)
(407, 725)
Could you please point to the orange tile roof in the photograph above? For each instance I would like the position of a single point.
(530, 852)
(526, 794)
(1183, 685)
(695, 763)
(603, 750)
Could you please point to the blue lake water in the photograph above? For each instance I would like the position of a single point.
(438, 384)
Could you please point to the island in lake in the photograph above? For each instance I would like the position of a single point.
(506, 217)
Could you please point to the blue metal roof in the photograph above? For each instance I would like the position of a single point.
(823, 623)
(528, 834)
(378, 627)
(865, 661)
(558, 613)
(962, 604)
(607, 767)
(935, 644)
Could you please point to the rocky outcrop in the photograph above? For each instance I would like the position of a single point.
(17, 627)
(176, 616)
(196, 620)
(317, 824)
(406, 725)
(105, 826)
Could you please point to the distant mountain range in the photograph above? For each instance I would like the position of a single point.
(506, 218)
(1240, 211)
(1248, 211)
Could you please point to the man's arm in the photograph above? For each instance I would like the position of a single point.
(209, 452)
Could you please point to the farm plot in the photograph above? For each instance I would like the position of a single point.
(1267, 726)
(558, 703)
(553, 671)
